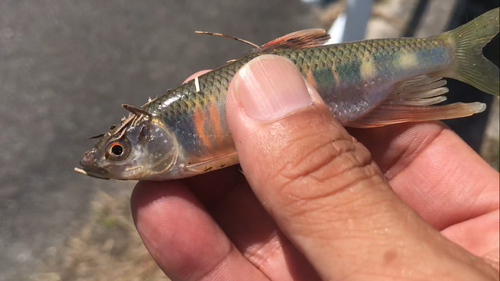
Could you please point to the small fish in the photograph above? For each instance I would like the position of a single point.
(365, 84)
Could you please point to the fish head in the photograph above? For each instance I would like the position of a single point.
(138, 150)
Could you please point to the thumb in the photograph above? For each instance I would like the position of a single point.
(322, 187)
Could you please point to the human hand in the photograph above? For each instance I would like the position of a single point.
(317, 205)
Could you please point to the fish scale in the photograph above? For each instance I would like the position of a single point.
(364, 84)
(345, 59)
(340, 91)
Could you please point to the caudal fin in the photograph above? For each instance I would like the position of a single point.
(471, 66)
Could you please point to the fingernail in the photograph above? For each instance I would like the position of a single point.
(270, 87)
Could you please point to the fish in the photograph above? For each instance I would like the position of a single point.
(369, 83)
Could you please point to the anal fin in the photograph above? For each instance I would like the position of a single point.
(414, 100)
(388, 114)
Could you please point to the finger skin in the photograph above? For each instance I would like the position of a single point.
(258, 238)
(331, 200)
(231, 203)
(455, 182)
(447, 177)
(479, 235)
(182, 237)
(237, 212)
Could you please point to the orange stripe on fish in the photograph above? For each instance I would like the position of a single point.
(213, 112)
(310, 78)
(199, 123)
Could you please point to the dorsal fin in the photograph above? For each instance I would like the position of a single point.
(298, 40)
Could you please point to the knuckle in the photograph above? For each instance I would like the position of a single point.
(318, 168)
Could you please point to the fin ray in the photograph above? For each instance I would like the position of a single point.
(414, 100)
(470, 65)
(394, 114)
(307, 38)
(418, 91)
(420, 102)
(212, 164)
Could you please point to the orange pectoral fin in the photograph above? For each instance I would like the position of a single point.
(212, 164)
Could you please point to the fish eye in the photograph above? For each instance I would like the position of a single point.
(117, 150)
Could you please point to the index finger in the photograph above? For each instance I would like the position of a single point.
(434, 171)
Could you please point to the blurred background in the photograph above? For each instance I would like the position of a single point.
(66, 66)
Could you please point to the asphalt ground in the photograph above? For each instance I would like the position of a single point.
(65, 68)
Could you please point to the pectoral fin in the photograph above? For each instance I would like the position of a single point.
(212, 164)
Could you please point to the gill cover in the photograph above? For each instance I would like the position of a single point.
(157, 147)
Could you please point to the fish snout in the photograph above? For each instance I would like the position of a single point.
(89, 159)
(89, 162)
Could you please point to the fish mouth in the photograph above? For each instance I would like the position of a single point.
(89, 168)
(95, 173)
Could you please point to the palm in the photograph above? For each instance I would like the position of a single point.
(448, 190)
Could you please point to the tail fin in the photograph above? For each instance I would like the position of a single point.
(471, 66)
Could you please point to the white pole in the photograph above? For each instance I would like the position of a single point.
(351, 24)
